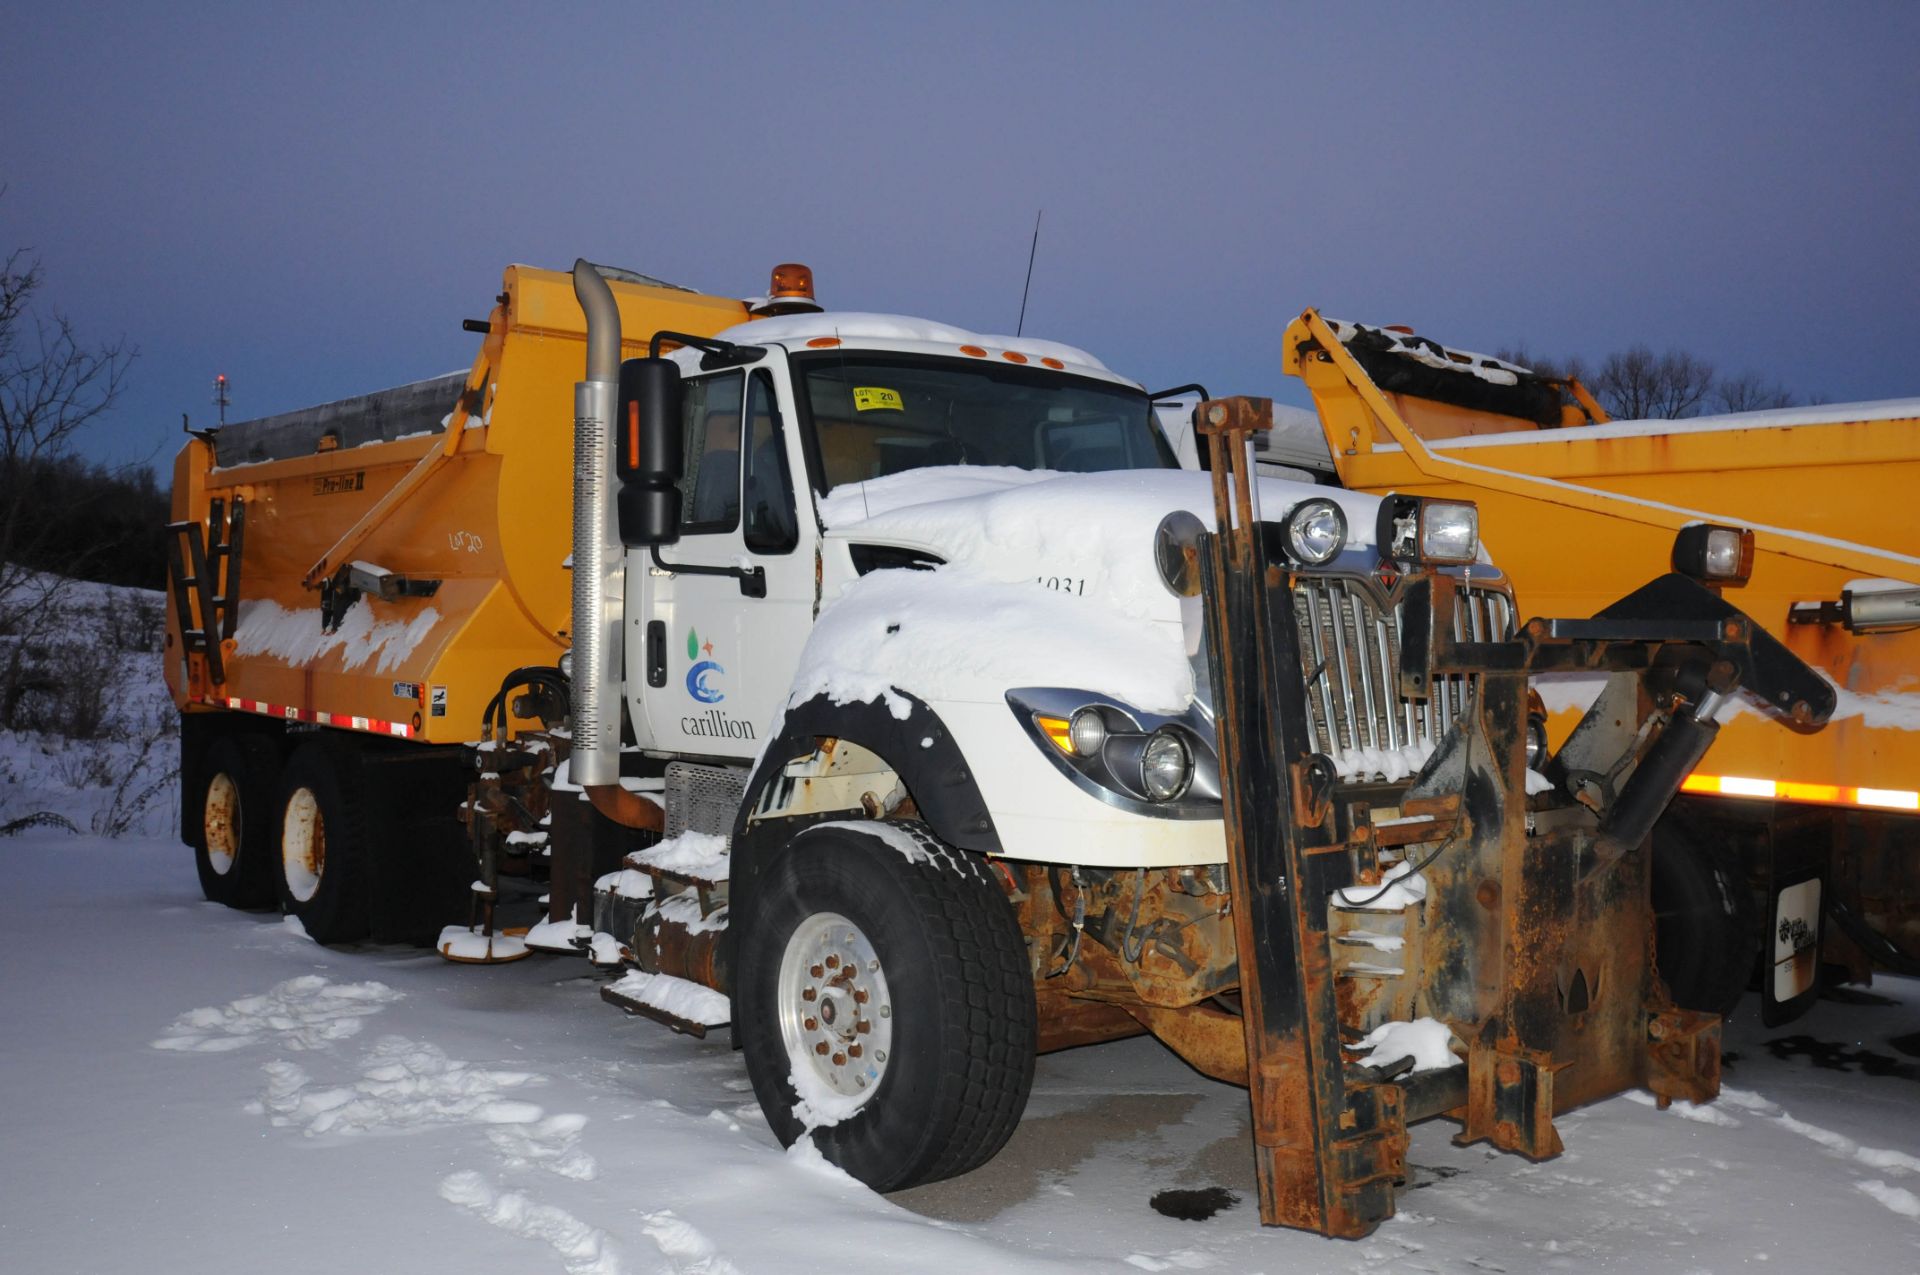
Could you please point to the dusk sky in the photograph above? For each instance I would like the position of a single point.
(310, 199)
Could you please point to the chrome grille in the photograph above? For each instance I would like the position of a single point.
(1350, 654)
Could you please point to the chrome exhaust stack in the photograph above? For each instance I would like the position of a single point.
(599, 573)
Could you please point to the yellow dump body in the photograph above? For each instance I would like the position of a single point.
(482, 504)
(1830, 498)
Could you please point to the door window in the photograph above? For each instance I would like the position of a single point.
(710, 489)
(770, 525)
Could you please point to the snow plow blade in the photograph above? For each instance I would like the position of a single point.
(1529, 913)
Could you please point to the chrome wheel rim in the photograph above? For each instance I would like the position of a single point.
(836, 1012)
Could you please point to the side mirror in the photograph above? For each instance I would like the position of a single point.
(648, 452)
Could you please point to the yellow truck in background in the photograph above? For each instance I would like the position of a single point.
(1817, 821)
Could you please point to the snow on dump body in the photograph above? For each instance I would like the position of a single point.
(1423, 350)
(297, 638)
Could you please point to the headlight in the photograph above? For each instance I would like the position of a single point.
(1449, 531)
(1536, 743)
(1087, 732)
(1410, 529)
(1316, 531)
(1714, 554)
(1166, 766)
(1176, 551)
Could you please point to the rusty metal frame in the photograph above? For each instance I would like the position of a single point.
(1327, 1151)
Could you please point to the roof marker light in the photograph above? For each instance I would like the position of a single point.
(1013, 357)
(974, 350)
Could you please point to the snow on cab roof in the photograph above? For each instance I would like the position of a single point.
(860, 327)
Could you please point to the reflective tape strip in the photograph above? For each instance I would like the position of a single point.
(1792, 790)
(287, 712)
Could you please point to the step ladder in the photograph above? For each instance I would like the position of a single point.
(203, 563)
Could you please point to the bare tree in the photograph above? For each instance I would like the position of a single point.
(1751, 392)
(1638, 384)
(52, 386)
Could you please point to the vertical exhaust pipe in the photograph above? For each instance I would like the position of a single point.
(599, 583)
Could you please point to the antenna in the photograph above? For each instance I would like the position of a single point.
(1028, 287)
(220, 397)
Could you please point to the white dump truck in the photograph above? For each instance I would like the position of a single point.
(912, 712)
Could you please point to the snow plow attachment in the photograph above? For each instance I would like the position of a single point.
(1504, 909)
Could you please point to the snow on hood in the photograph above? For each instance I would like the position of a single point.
(1023, 526)
(1050, 581)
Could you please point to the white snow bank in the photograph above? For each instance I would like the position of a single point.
(295, 637)
(1425, 1040)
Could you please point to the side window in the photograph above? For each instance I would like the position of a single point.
(710, 489)
(770, 525)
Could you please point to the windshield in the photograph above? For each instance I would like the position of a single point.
(876, 414)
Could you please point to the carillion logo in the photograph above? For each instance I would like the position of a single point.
(697, 685)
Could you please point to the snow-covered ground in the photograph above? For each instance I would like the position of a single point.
(192, 1088)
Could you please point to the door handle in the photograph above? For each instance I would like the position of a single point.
(656, 653)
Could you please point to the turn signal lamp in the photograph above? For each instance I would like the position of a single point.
(1058, 731)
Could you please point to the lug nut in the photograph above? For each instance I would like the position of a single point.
(811, 1024)
(806, 993)
(860, 995)
(816, 971)
(833, 962)
(839, 1060)
(820, 1048)
(863, 1027)
(853, 1050)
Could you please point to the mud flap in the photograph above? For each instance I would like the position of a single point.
(1799, 841)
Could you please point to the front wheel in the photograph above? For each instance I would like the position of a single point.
(885, 1003)
(1706, 929)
